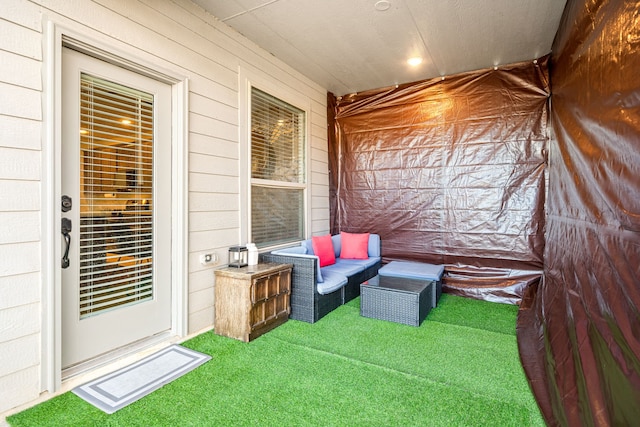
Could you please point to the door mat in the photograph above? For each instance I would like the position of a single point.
(124, 386)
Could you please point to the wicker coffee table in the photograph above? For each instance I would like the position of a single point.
(396, 299)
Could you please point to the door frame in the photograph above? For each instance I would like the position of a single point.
(103, 47)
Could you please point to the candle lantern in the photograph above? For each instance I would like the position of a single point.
(238, 256)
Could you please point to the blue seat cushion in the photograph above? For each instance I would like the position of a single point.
(364, 263)
(332, 282)
(412, 270)
(344, 268)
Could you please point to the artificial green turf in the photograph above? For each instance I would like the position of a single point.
(459, 368)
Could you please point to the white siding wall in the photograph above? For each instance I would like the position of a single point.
(173, 33)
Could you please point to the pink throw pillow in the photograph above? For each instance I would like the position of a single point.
(323, 249)
(354, 246)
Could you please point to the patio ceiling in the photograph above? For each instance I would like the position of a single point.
(353, 45)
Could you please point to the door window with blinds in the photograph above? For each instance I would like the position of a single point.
(278, 173)
(116, 178)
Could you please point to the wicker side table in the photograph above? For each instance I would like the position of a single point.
(396, 299)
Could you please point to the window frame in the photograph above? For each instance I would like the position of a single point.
(248, 80)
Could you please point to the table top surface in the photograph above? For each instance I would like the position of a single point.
(398, 283)
(260, 268)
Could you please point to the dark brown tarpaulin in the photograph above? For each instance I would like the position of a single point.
(579, 334)
(449, 171)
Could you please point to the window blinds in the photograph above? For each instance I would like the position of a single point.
(116, 226)
(277, 170)
(277, 139)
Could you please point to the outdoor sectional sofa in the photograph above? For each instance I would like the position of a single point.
(316, 290)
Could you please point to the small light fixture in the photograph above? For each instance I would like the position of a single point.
(83, 131)
(415, 61)
(382, 5)
(238, 256)
(125, 121)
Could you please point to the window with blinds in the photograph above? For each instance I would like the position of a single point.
(278, 172)
(116, 180)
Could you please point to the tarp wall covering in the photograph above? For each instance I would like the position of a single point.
(449, 172)
(579, 335)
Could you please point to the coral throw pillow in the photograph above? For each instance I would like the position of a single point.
(354, 246)
(323, 249)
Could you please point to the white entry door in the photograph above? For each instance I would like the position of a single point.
(116, 207)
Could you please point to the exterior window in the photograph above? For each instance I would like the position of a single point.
(278, 173)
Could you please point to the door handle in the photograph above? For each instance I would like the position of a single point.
(66, 229)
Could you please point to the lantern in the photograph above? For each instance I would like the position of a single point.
(238, 256)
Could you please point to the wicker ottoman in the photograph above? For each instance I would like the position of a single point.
(396, 299)
(416, 270)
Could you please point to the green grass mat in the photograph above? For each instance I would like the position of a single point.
(459, 368)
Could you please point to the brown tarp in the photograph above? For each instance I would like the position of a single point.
(579, 334)
(449, 171)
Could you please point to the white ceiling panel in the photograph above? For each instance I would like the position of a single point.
(349, 45)
(226, 9)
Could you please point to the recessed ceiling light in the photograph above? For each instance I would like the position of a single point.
(382, 5)
(415, 61)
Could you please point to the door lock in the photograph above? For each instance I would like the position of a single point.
(66, 203)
